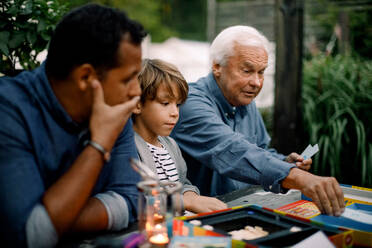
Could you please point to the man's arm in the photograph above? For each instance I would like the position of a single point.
(93, 217)
(65, 199)
(324, 191)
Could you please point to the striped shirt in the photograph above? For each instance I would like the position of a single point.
(165, 166)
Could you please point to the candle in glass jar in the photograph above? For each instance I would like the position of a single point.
(159, 239)
(158, 218)
(148, 226)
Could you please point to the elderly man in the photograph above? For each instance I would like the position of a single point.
(59, 125)
(223, 137)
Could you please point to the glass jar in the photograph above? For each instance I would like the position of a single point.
(158, 203)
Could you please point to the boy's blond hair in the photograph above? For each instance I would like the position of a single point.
(155, 72)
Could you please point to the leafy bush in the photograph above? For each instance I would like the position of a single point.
(267, 114)
(25, 30)
(337, 100)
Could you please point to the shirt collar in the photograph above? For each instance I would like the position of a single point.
(45, 94)
(227, 108)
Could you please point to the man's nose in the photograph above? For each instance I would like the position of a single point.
(255, 80)
(135, 89)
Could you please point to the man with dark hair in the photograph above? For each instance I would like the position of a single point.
(65, 136)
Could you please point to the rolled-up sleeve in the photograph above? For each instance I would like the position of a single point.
(120, 178)
(39, 225)
(116, 208)
(202, 134)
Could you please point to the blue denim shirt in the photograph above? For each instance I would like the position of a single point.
(38, 143)
(226, 147)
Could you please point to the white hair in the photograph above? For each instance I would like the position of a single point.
(223, 45)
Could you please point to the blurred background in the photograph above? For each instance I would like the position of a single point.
(317, 89)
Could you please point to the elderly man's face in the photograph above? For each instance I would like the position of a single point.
(241, 78)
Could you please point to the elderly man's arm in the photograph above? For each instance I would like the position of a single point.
(324, 191)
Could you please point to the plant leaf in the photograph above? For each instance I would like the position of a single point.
(16, 40)
(4, 37)
(31, 37)
(41, 25)
(4, 49)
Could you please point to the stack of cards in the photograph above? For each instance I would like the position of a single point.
(310, 151)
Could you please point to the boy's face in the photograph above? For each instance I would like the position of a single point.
(159, 116)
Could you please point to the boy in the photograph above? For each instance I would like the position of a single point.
(163, 90)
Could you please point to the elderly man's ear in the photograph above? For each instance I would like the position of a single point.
(216, 69)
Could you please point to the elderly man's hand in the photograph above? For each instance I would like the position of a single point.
(299, 161)
(324, 191)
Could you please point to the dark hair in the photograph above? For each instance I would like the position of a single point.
(90, 34)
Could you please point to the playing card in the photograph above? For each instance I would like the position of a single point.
(310, 151)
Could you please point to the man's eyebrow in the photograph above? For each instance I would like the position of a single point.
(132, 75)
(250, 65)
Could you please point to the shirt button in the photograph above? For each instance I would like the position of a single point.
(270, 187)
(226, 114)
(233, 112)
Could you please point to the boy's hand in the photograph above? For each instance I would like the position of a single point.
(106, 122)
(199, 204)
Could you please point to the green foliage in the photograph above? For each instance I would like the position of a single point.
(189, 18)
(25, 30)
(147, 12)
(268, 118)
(326, 14)
(337, 100)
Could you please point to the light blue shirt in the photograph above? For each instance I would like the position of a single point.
(226, 147)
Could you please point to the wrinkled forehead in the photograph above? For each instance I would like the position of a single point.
(250, 55)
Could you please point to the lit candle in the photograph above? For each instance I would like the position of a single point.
(158, 218)
(159, 239)
(148, 226)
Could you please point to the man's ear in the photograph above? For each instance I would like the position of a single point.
(216, 69)
(138, 108)
(83, 75)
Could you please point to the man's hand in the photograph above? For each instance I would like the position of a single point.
(299, 161)
(106, 122)
(199, 204)
(324, 191)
